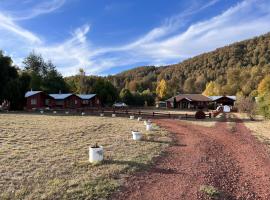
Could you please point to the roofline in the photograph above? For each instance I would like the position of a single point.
(37, 92)
(86, 94)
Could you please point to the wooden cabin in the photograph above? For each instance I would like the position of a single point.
(188, 101)
(223, 100)
(41, 100)
(35, 99)
(89, 100)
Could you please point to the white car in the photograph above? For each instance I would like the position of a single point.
(119, 105)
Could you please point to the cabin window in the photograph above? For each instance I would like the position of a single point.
(47, 102)
(85, 102)
(76, 102)
(33, 101)
(60, 103)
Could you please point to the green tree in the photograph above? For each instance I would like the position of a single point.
(106, 92)
(126, 96)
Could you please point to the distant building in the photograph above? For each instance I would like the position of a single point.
(35, 99)
(223, 100)
(188, 101)
(40, 100)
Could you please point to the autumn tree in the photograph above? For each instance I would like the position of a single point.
(264, 86)
(161, 89)
(264, 96)
(212, 89)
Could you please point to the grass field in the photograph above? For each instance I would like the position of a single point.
(260, 127)
(46, 157)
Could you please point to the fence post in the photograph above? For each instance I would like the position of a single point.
(153, 114)
(139, 113)
(186, 115)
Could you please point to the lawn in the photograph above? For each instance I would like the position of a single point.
(260, 127)
(46, 157)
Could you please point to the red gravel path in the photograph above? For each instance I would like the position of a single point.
(233, 162)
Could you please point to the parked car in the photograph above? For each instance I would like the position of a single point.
(120, 105)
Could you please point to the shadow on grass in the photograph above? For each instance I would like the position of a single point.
(141, 166)
(172, 143)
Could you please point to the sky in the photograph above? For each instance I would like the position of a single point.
(109, 36)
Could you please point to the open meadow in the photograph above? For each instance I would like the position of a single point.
(46, 156)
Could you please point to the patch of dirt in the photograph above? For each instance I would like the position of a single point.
(234, 164)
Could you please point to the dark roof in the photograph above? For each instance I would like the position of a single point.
(214, 98)
(190, 97)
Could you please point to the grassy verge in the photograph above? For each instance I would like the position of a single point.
(46, 157)
(259, 127)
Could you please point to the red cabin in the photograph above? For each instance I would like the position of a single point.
(35, 99)
(40, 100)
(89, 100)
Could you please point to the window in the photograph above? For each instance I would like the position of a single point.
(60, 102)
(33, 101)
(85, 102)
(76, 102)
(47, 102)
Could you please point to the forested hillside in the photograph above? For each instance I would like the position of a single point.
(242, 69)
(236, 68)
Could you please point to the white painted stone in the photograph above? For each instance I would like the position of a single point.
(41, 111)
(101, 114)
(149, 127)
(131, 117)
(136, 135)
(139, 118)
(95, 154)
(83, 113)
(67, 112)
(113, 115)
(54, 112)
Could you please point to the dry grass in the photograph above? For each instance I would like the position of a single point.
(208, 122)
(166, 111)
(260, 127)
(46, 157)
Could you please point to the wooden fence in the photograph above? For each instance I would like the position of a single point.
(137, 113)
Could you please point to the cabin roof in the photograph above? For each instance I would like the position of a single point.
(190, 97)
(214, 98)
(60, 96)
(86, 96)
(31, 93)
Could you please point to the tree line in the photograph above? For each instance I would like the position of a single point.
(240, 69)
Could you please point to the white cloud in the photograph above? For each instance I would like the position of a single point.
(46, 7)
(7, 23)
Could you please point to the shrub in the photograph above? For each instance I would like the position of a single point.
(200, 115)
(246, 105)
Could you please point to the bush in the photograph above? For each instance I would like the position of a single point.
(246, 105)
(200, 115)
(264, 106)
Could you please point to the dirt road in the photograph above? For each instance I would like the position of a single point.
(233, 162)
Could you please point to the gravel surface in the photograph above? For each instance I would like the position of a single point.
(234, 163)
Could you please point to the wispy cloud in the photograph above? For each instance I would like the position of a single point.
(37, 9)
(8, 24)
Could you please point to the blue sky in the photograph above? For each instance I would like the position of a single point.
(109, 36)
